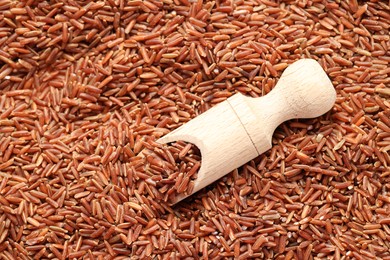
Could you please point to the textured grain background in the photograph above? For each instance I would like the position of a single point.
(86, 85)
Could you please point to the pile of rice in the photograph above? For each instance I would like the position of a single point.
(85, 86)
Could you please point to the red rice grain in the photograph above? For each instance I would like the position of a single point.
(85, 87)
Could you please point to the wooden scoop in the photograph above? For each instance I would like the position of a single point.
(239, 129)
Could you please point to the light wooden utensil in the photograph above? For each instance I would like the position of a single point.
(240, 128)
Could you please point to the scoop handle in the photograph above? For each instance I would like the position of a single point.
(303, 91)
